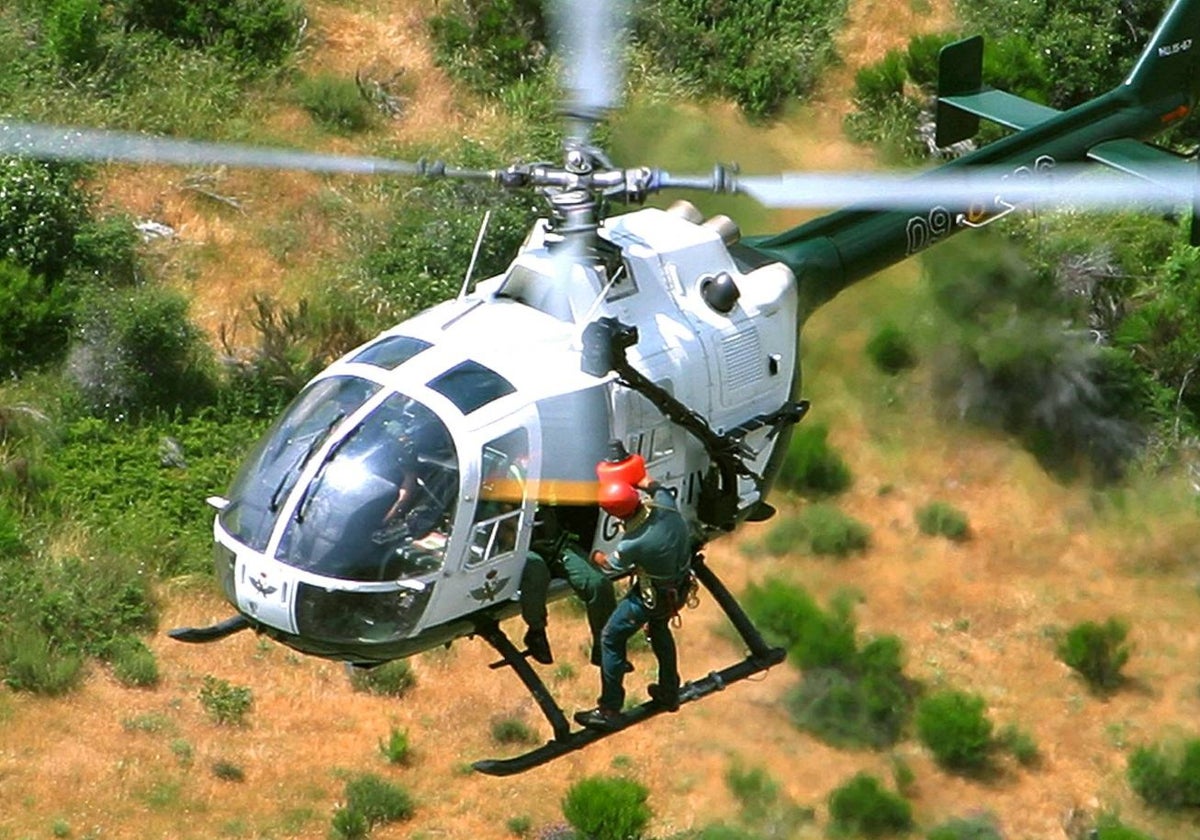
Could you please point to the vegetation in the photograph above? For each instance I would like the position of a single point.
(891, 350)
(943, 519)
(512, 730)
(862, 808)
(849, 696)
(1167, 775)
(335, 102)
(982, 827)
(370, 801)
(1097, 652)
(225, 703)
(396, 749)
(955, 728)
(811, 466)
(607, 808)
(818, 529)
(391, 679)
(489, 45)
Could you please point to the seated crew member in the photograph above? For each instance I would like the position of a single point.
(554, 552)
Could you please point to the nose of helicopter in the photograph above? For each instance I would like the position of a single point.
(338, 524)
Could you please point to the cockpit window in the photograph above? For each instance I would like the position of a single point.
(391, 352)
(270, 473)
(470, 386)
(381, 505)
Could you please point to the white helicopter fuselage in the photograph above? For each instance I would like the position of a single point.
(498, 423)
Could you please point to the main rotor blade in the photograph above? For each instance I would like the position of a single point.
(589, 39)
(986, 189)
(99, 145)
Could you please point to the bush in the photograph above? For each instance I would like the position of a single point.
(133, 663)
(723, 51)
(862, 807)
(73, 34)
(880, 82)
(396, 749)
(787, 615)
(1167, 776)
(391, 679)
(943, 519)
(865, 703)
(954, 726)
(490, 44)
(34, 662)
(811, 466)
(225, 703)
(1097, 652)
(510, 730)
(42, 211)
(607, 808)
(891, 350)
(370, 801)
(819, 529)
(227, 771)
(33, 319)
(1020, 743)
(252, 32)
(1109, 827)
(966, 828)
(335, 102)
(135, 353)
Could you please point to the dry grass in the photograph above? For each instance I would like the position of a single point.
(977, 616)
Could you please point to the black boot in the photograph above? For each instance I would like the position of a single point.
(538, 646)
(606, 720)
(669, 700)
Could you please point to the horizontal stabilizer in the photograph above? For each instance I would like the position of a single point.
(1000, 107)
(1147, 162)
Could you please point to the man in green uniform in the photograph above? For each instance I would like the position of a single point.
(658, 544)
(555, 553)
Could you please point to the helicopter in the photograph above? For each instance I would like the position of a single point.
(390, 509)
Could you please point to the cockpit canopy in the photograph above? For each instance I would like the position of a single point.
(349, 486)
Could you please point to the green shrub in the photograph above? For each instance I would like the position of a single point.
(335, 102)
(882, 81)
(865, 702)
(490, 44)
(955, 728)
(1097, 652)
(396, 749)
(34, 662)
(922, 55)
(725, 52)
(982, 827)
(819, 529)
(1020, 743)
(519, 826)
(787, 615)
(227, 771)
(133, 663)
(42, 211)
(943, 519)
(891, 350)
(252, 32)
(1167, 776)
(391, 679)
(754, 789)
(832, 532)
(136, 352)
(607, 808)
(33, 319)
(862, 807)
(225, 703)
(370, 801)
(811, 466)
(1110, 827)
(510, 730)
(73, 34)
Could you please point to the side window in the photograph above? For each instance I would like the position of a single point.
(501, 494)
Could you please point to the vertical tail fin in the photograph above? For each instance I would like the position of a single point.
(1171, 61)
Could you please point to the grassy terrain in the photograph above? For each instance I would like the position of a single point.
(246, 739)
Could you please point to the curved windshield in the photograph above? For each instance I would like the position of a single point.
(270, 472)
(381, 505)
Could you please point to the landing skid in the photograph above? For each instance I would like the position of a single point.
(566, 740)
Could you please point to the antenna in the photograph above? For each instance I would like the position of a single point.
(475, 254)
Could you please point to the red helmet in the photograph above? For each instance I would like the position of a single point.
(619, 499)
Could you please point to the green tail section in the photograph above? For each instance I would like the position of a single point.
(1169, 63)
(835, 251)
